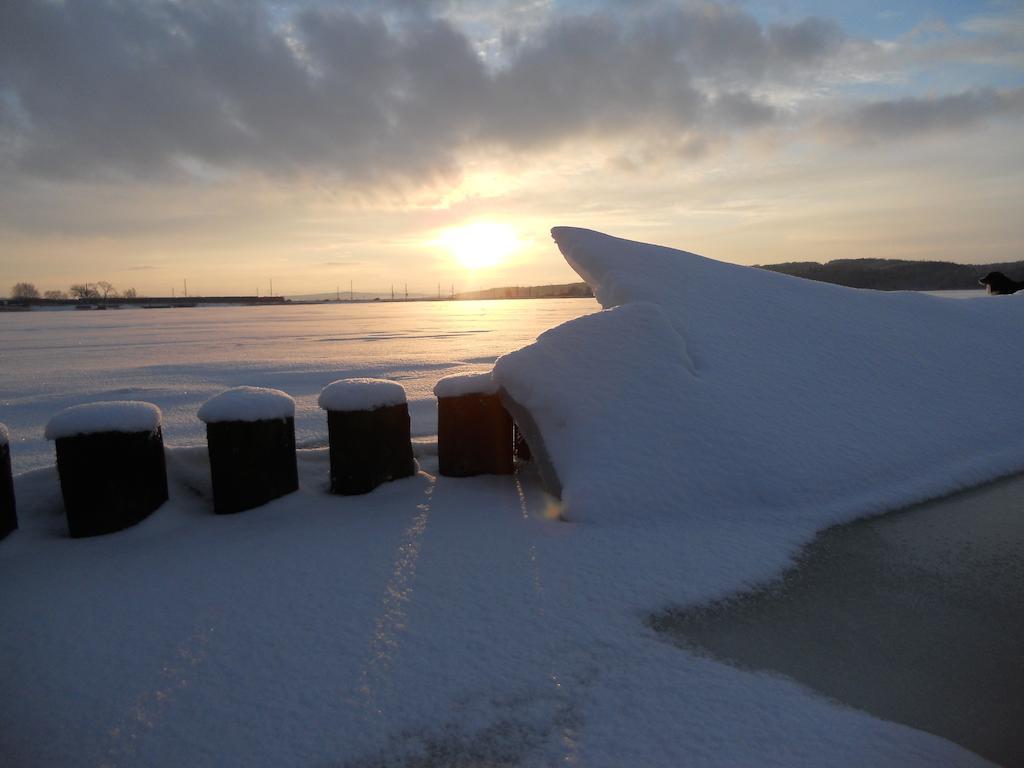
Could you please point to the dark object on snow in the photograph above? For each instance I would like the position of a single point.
(999, 284)
(474, 436)
(251, 462)
(8, 512)
(111, 480)
(369, 448)
(520, 447)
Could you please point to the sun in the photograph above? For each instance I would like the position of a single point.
(480, 245)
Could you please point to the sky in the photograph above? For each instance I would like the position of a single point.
(418, 142)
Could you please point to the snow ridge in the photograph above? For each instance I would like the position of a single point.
(713, 389)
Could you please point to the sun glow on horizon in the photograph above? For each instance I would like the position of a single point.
(480, 245)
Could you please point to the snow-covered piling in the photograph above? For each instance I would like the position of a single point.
(250, 436)
(369, 431)
(474, 431)
(8, 511)
(110, 458)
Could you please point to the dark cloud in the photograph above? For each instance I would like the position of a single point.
(908, 117)
(366, 92)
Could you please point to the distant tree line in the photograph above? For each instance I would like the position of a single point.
(99, 290)
(897, 274)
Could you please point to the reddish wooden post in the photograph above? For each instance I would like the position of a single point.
(474, 431)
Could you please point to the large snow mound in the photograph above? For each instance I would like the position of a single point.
(459, 384)
(248, 404)
(361, 394)
(5, 436)
(111, 416)
(708, 389)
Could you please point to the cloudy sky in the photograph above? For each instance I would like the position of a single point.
(314, 143)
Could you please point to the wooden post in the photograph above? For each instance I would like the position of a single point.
(250, 436)
(8, 510)
(110, 458)
(369, 430)
(474, 431)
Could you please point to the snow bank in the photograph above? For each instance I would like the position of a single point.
(112, 416)
(361, 394)
(248, 404)
(711, 389)
(5, 436)
(460, 384)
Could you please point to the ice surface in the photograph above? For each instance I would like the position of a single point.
(179, 358)
(111, 416)
(5, 436)
(247, 404)
(361, 394)
(711, 390)
(459, 384)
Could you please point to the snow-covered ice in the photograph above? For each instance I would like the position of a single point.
(361, 394)
(247, 404)
(474, 621)
(458, 384)
(179, 358)
(108, 416)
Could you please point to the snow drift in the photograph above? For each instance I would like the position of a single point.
(709, 388)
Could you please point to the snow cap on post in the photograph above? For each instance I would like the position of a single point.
(458, 384)
(111, 416)
(248, 404)
(361, 395)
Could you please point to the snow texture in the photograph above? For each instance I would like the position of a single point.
(111, 416)
(442, 621)
(460, 384)
(712, 391)
(5, 436)
(361, 394)
(248, 404)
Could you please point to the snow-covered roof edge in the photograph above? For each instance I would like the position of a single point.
(109, 416)
(247, 404)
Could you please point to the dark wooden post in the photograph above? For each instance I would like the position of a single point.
(369, 430)
(110, 458)
(8, 511)
(250, 436)
(474, 431)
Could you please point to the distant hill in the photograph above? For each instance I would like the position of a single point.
(897, 274)
(563, 291)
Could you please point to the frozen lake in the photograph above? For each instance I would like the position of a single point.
(177, 358)
(913, 616)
